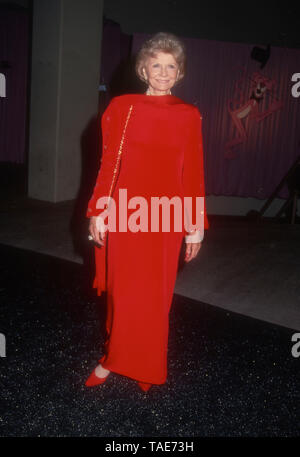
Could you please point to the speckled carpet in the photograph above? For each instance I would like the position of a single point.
(228, 375)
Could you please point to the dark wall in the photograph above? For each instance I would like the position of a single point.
(22, 3)
(254, 22)
(247, 22)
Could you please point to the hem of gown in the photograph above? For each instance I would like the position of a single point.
(128, 376)
(98, 288)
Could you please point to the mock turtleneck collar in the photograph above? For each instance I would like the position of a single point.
(168, 99)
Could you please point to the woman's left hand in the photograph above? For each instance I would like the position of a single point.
(191, 250)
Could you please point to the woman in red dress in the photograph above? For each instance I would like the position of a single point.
(160, 139)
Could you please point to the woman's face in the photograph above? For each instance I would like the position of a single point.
(161, 73)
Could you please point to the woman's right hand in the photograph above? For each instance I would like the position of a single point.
(97, 230)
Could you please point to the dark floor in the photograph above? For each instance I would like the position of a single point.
(228, 375)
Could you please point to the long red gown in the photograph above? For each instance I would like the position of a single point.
(162, 156)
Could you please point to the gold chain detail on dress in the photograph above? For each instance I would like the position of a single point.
(119, 155)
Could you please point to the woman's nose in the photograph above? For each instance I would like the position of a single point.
(163, 71)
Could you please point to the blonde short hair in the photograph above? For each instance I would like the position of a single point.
(161, 42)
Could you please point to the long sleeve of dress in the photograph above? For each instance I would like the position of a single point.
(193, 180)
(108, 160)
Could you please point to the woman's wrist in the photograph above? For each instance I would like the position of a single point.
(195, 236)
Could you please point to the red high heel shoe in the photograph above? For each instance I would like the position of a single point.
(94, 380)
(145, 386)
